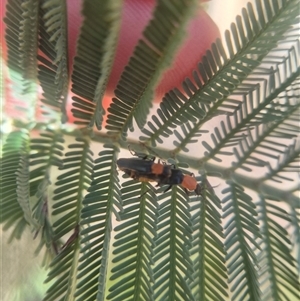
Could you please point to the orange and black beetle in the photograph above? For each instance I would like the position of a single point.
(146, 170)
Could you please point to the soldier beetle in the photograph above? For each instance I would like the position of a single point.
(146, 170)
(139, 167)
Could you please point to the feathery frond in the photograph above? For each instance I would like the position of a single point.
(261, 144)
(278, 272)
(93, 61)
(96, 222)
(287, 164)
(189, 133)
(152, 54)
(46, 153)
(62, 268)
(253, 111)
(220, 74)
(14, 214)
(208, 253)
(170, 245)
(241, 240)
(295, 225)
(68, 197)
(53, 61)
(23, 189)
(173, 270)
(21, 36)
(132, 273)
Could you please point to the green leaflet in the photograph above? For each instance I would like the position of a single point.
(138, 242)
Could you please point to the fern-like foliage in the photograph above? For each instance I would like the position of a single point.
(53, 63)
(96, 220)
(46, 153)
(68, 197)
(226, 70)
(152, 53)
(134, 242)
(295, 225)
(13, 163)
(241, 240)
(172, 251)
(276, 261)
(21, 37)
(208, 253)
(110, 238)
(92, 65)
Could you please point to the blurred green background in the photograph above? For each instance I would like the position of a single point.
(21, 277)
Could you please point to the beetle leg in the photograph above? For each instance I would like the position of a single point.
(142, 156)
(133, 153)
(198, 189)
(186, 191)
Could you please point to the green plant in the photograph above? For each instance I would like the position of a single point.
(241, 244)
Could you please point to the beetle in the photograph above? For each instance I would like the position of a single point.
(143, 165)
(136, 167)
(170, 176)
(144, 169)
(150, 177)
(187, 182)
